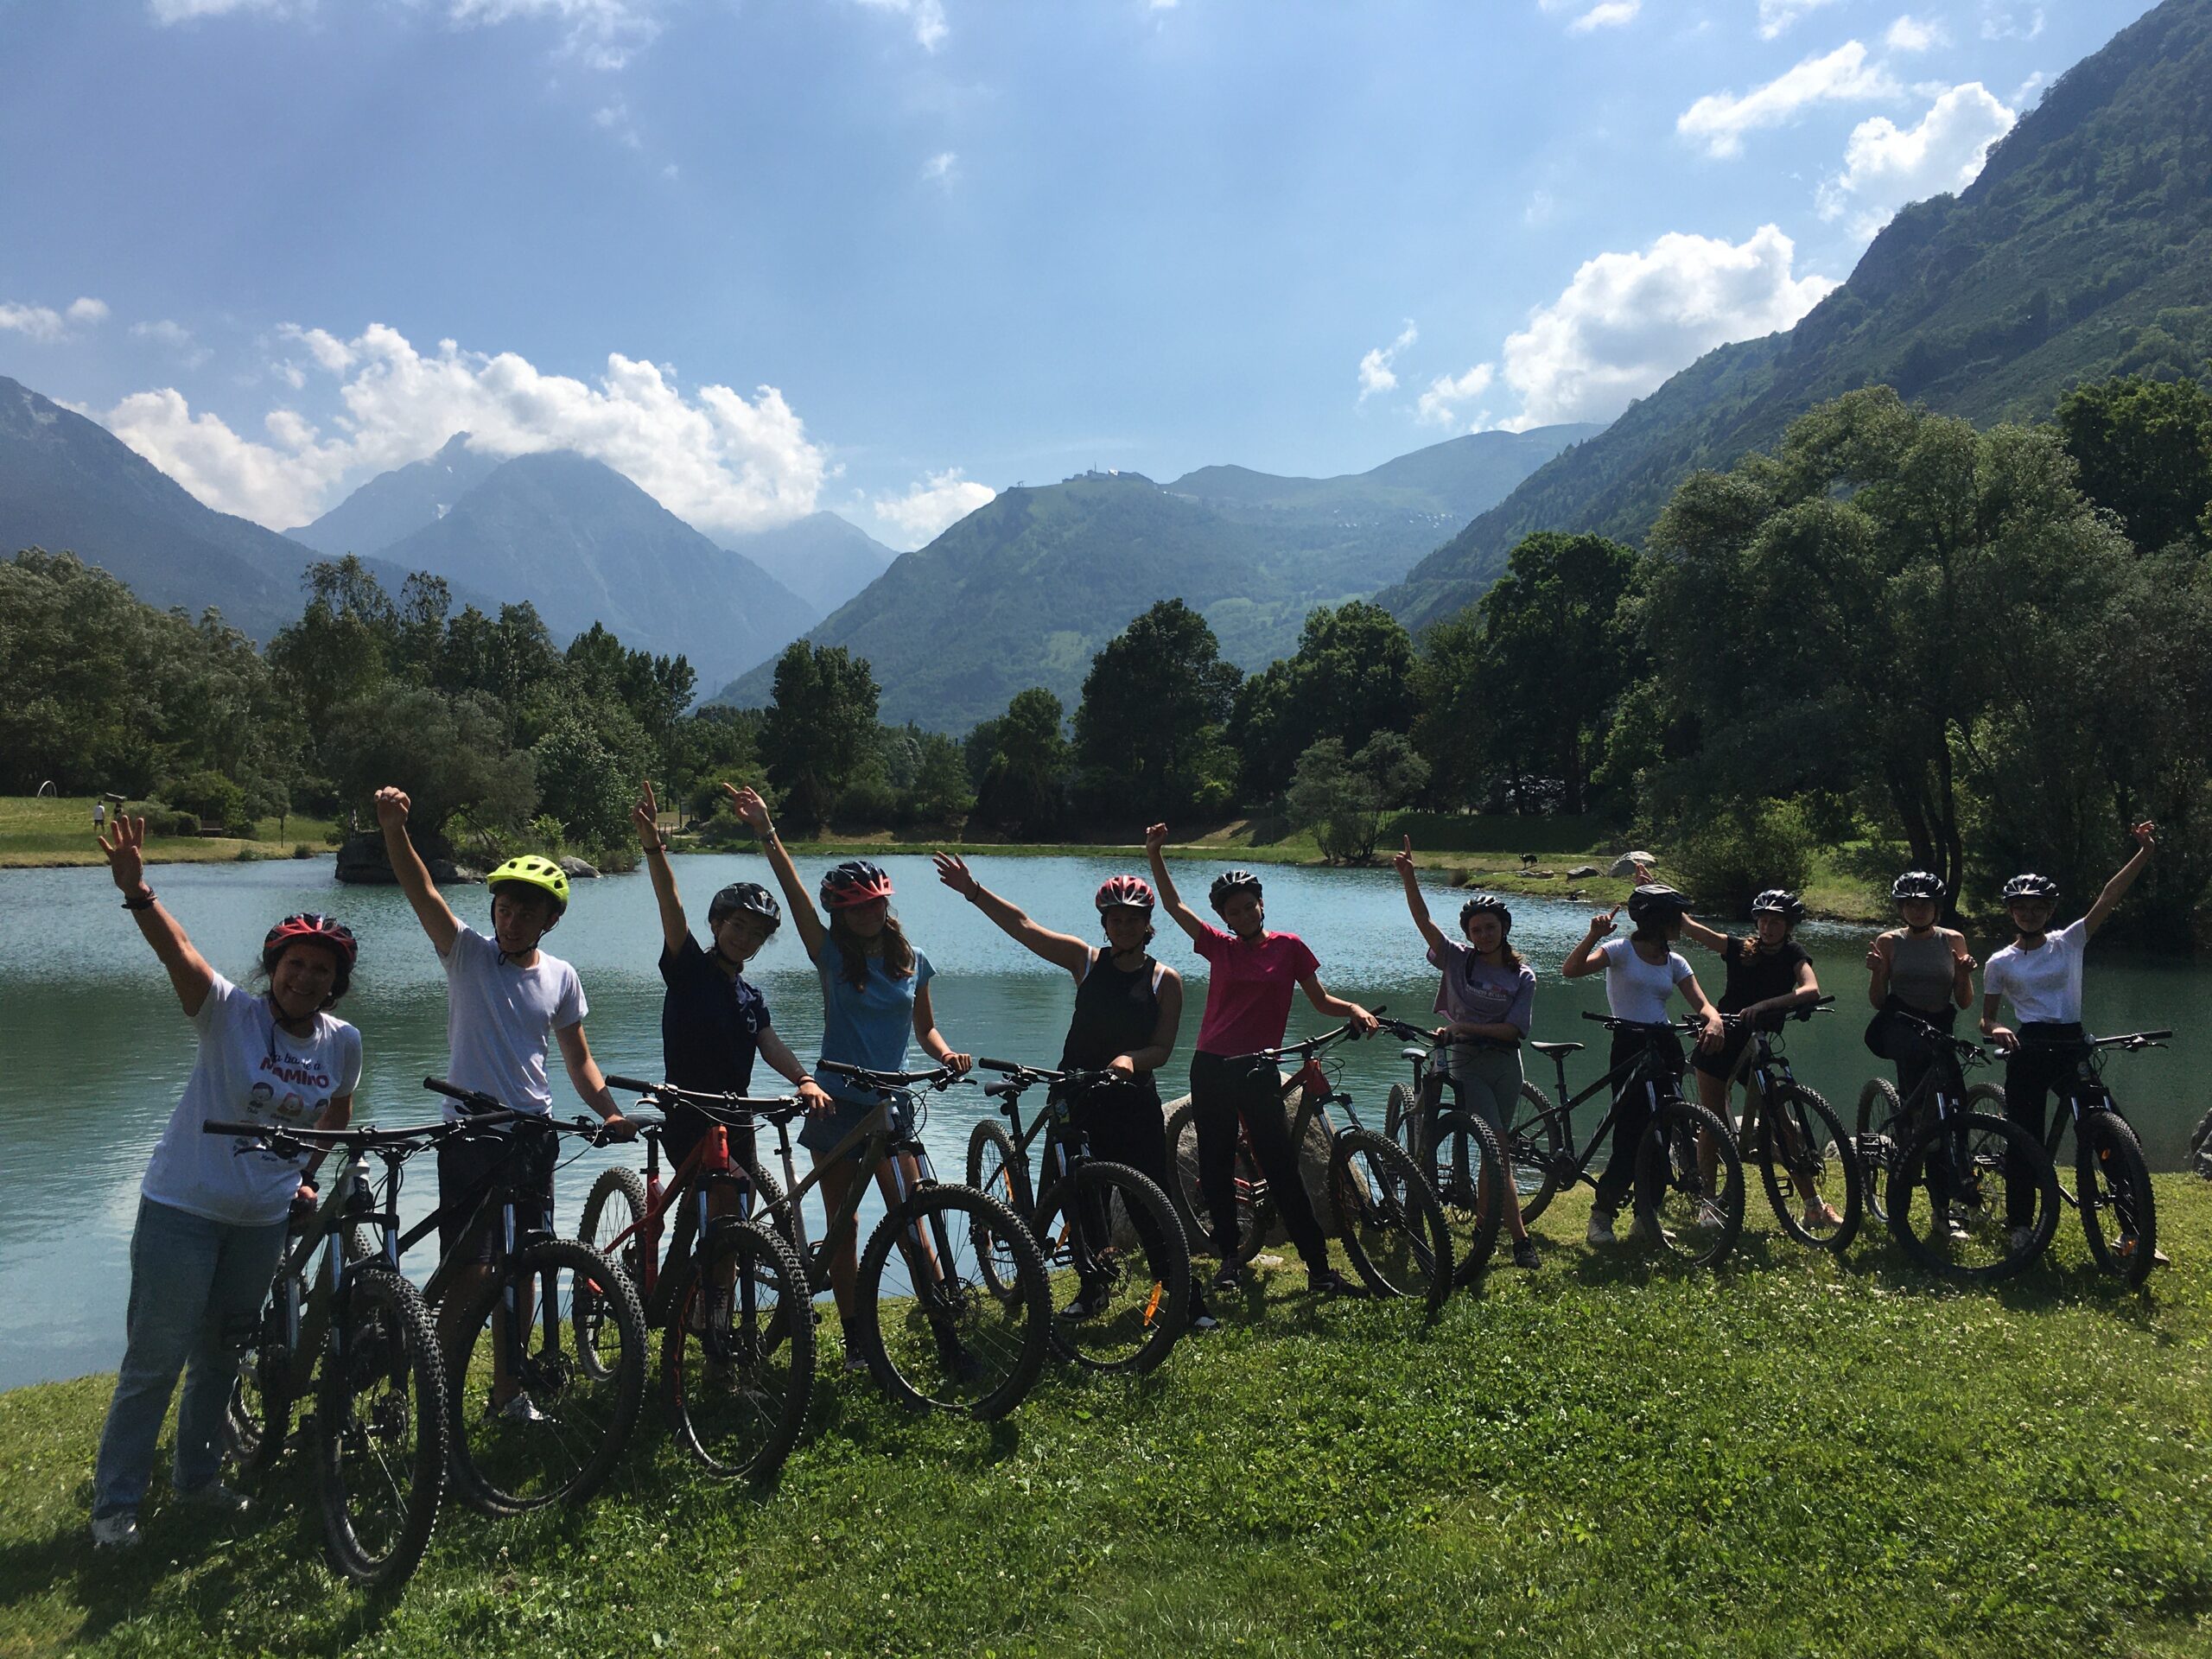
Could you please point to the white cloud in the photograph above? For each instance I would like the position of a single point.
(1376, 374)
(173, 337)
(1719, 120)
(2025, 93)
(932, 507)
(603, 33)
(1910, 33)
(1628, 321)
(941, 167)
(613, 118)
(2002, 23)
(1543, 205)
(1777, 15)
(714, 458)
(1440, 402)
(1885, 166)
(1607, 14)
(926, 15)
(46, 325)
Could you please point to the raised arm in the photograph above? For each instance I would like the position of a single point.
(1155, 845)
(753, 812)
(674, 930)
(2147, 842)
(1063, 950)
(189, 974)
(1711, 938)
(1877, 969)
(1584, 960)
(412, 875)
(1415, 902)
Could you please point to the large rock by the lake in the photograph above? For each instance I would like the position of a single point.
(362, 862)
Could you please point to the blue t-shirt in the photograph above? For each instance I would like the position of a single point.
(866, 1026)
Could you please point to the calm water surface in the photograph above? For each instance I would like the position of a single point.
(94, 1052)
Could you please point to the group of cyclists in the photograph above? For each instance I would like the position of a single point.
(214, 1212)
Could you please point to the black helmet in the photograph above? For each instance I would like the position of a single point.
(2031, 886)
(1486, 904)
(1232, 882)
(1783, 902)
(745, 898)
(1917, 884)
(1655, 902)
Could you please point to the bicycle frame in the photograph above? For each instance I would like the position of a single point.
(708, 1162)
(1569, 1164)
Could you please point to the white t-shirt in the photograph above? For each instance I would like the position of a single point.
(2045, 984)
(501, 1019)
(248, 1069)
(1637, 989)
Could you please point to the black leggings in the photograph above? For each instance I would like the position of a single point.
(1222, 1091)
(2043, 1065)
(1634, 1104)
(1906, 1047)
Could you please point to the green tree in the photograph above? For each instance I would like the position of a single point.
(1023, 785)
(939, 795)
(450, 753)
(1148, 732)
(585, 784)
(2144, 450)
(1344, 800)
(1351, 677)
(820, 727)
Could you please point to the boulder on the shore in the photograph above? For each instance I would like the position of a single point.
(1582, 872)
(362, 862)
(578, 869)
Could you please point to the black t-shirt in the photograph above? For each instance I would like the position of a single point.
(711, 1022)
(1756, 975)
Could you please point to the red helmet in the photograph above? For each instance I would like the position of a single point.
(856, 881)
(322, 930)
(1130, 890)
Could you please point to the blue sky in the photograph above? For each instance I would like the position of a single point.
(885, 256)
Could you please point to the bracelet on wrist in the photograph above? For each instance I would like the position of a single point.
(142, 899)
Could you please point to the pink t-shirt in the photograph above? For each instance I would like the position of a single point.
(1248, 993)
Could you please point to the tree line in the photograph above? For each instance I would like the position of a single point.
(1895, 639)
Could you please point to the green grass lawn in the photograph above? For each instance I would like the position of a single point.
(1793, 1457)
(35, 832)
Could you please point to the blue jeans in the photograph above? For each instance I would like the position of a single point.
(196, 1291)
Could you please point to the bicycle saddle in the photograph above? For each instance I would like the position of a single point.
(1556, 1048)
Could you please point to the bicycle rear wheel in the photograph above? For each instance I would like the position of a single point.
(1947, 1199)
(1400, 1119)
(1694, 1217)
(737, 1352)
(1255, 1210)
(559, 1446)
(2120, 1213)
(933, 1331)
(1538, 1137)
(1123, 1288)
(1807, 1168)
(1467, 1174)
(381, 1431)
(998, 1169)
(1391, 1224)
(1876, 1145)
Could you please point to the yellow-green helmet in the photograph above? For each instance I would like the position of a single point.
(532, 871)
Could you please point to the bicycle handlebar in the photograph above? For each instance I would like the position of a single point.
(472, 1102)
(892, 1082)
(1311, 1046)
(310, 1138)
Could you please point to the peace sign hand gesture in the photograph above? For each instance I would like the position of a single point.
(646, 815)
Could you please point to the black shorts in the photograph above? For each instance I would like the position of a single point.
(468, 1166)
(1721, 1062)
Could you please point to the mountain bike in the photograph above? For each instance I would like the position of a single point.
(1392, 1226)
(551, 1318)
(1934, 1167)
(1455, 1150)
(1805, 1158)
(380, 1423)
(2112, 1179)
(1693, 1217)
(1107, 1232)
(952, 1312)
(736, 1374)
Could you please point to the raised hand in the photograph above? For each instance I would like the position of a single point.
(126, 853)
(2147, 835)
(1602, 924)
(392, 807)
(1404, 859)
(953, 871)
(1155, 839)
(752, 811)
(646, 815)
(1878, 954)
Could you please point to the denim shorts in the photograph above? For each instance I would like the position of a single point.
(820, 1134)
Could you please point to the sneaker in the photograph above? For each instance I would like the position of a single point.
(216, 1498)
(959, 1364)
(1202, 1321)
(519, 1409)
(1524, 1254)
(1088, 1303)
(1329, 1282)
(1601, 1228)
(855, 1362)
(1647, 1230)
(1954, 1224)
(2022, 1240)
(1229, 1280)
(1822, 1214)
(116, 1531)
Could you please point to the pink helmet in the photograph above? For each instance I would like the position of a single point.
(1129, 890)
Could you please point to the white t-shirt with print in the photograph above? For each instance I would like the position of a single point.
(500, 1020)
(2045, 984)
(1637, 989)
(249, 1070)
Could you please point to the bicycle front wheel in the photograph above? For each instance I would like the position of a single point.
(1948, 1207)
(934, 1331)
(1806, 1166)
(737, 1353)
(1689, 1185)
(1390, 1223)
(1117, 1268)
(549, 1432)
(1255, 1210)
(1537, 1140)
(259, 1415)
(2113, 1189)
(1467, 1174)
(1874, 1143)
(381, 1431)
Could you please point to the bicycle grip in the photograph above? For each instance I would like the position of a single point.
(987, 1064)
(1599, 1018)
(631, 1085)
(255, 1131)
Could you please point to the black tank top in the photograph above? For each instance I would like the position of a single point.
(1115, 1012)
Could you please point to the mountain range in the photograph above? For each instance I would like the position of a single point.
(1026, 589)
(2083, 250)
